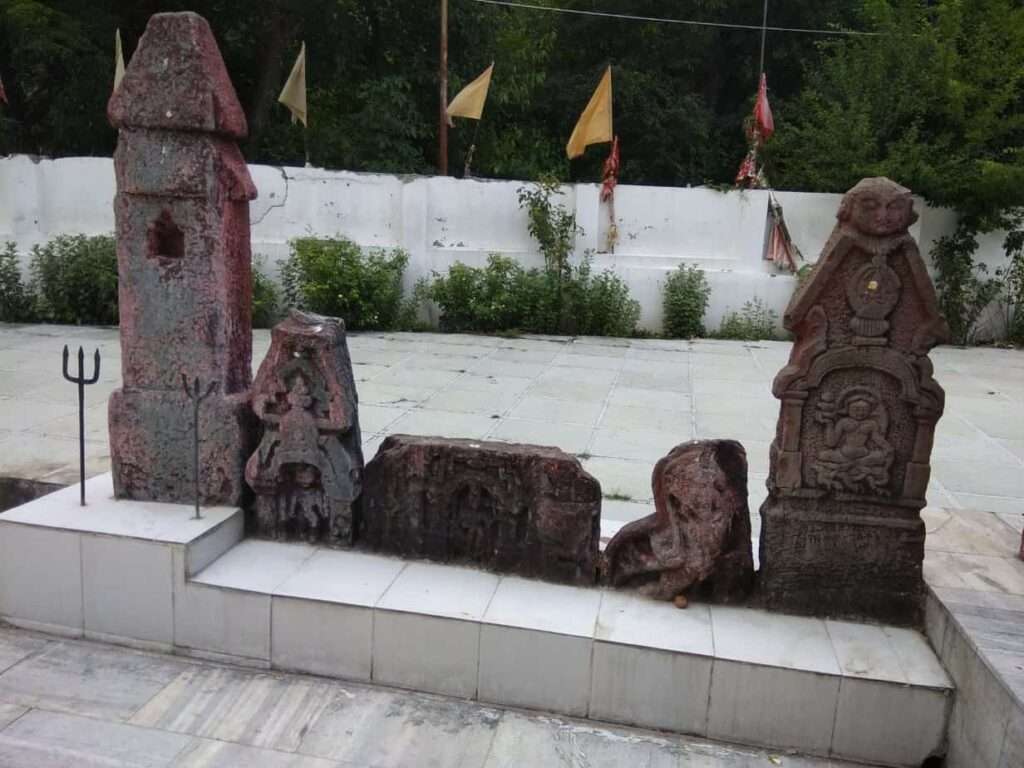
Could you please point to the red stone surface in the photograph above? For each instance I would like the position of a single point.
(521, 509)
(841, 533)
(176, 80)
(307, 471)
(184, 266)
(698, 540)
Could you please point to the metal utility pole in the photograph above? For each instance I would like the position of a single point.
(442, 125)
(764, 33)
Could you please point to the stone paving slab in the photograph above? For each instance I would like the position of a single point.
(207, 715)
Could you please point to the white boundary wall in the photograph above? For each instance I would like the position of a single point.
(441, 220)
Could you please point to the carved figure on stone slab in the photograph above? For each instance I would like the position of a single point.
(307, 469)
(699, 535)
(841, 532)
(524, 509)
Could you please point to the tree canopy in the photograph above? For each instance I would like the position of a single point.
(933, 99)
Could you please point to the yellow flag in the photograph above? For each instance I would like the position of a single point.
(595, 124)
(470, 100)
(118, 59)
(293, 95)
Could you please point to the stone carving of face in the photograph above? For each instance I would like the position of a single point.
(860, 409)
(298, 395)
(878, 207)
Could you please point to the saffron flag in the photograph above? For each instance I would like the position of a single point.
(763, 119)
(118, 59)
(3, 93)
(293, 95)
(469, 102)
(595, 124)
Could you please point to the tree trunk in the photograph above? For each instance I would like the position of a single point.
(277, 34)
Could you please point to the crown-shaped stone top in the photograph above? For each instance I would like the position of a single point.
(177, 81)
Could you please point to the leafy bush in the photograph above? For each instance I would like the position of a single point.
(334, 277)
(963, 288)
(74, 279)
(503, 296)
(1012, 278)
(266, 303)
(15, 297)
(754, 322)
(686, 300)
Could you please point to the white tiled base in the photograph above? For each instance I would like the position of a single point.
(857, 692)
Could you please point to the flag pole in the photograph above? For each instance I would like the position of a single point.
(466, 172)
(764, 34)
(442, 135)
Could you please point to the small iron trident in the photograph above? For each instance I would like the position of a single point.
(194, 395)
(82, 383)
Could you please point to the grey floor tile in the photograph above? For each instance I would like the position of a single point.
(384, 729)
(88, 679)
(42, 739)
(207, 753)
(16, 645)
(258, 709)
(9, 713)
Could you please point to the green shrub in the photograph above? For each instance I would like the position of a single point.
(963, 288)
(15, 297)
(74, 279)
(332, 276)
(686, 300)
(503, 296)
(266, 301)
(754, 322)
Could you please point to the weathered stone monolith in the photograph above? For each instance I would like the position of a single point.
(182, 218)
(521, 509)
(698, 539)
(841, 533)
(308, 468)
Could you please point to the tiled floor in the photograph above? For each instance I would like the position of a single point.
(75, 704)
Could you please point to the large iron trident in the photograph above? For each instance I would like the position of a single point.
(82, 383)
(195, 395)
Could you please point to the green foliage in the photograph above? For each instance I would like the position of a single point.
(74, 280)
(964, 289)
(934, 101)
(266, 301)
(503, 296)
(1012, 278)
(15, 297)
(332, 276)
(754, 322)
(686, 299)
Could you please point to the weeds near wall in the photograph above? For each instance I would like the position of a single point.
(755, 321)
(503, 296)
(686, 300)
(74, 280)
(266, 298)
(963, 286)
(15, 298)
(332, 276)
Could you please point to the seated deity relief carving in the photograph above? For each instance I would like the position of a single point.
(857, 457)
(307, 469)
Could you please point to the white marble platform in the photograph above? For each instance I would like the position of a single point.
(146, 574)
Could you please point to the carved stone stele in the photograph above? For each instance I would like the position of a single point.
(184, 268)
(522, 509)
(308, 467)
(841, 533)
(698, 539)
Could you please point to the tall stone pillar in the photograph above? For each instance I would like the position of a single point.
(841, 532)
(182, 213)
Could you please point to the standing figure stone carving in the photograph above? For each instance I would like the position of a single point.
(841, 532)
(184, 267)
(307, 470)
(699, 536)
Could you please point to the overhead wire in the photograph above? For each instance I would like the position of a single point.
(687, 22)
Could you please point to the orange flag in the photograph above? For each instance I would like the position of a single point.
(595, 124)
